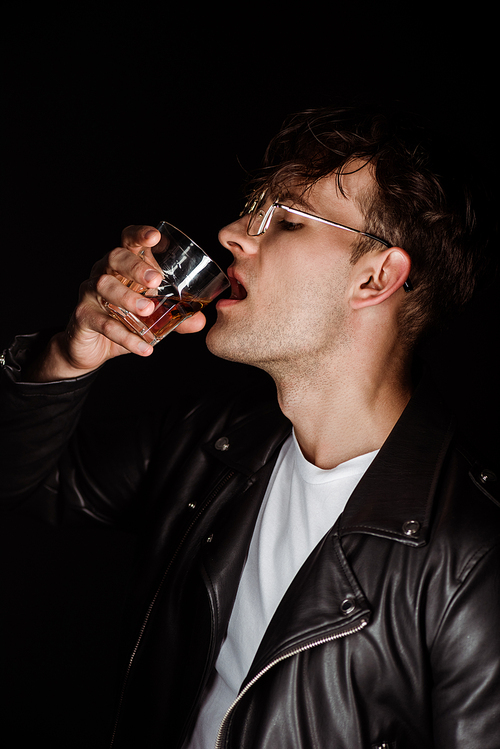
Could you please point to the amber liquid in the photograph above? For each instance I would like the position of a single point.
(168, 313)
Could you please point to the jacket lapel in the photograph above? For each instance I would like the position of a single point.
(394, 498)
(249, 451)
(323, 602)
(253, 442)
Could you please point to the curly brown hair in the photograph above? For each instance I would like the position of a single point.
(423, 200)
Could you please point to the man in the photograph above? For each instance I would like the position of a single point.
(333, 586)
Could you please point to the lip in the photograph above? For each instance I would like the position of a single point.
(238, 289)
(224, 303)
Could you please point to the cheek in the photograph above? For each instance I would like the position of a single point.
(288, 268)
(285, 267)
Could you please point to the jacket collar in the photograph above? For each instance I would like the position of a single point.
(394, 498)
(254, 440)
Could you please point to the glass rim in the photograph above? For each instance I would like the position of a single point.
(191, 242)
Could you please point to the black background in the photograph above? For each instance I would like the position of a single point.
(130, 115)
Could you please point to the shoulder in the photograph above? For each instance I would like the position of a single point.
(466, 522)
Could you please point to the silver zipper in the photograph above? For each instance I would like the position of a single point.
(337, 636)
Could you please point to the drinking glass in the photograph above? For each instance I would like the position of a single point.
(191, 280)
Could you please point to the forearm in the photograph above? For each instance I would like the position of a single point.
(44, 387)
(87, 462)
(54, 364)
(36, 423)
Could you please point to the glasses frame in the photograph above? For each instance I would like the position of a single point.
(267, 218)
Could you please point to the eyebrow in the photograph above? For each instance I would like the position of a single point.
(299, 201)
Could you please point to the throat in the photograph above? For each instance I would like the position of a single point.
(336, 426)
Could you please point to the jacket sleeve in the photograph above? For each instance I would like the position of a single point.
(63, 462)
(36, 422)
(465, 659)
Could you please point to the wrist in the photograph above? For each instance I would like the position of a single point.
(55, 363)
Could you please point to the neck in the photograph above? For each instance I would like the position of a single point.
(342, 411)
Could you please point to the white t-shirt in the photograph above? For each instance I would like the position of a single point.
(301, 504)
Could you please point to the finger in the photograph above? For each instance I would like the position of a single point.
(117, 333)
(89, 320)
(133, 268)
(193, 324)
(111, 290)
(136, 238)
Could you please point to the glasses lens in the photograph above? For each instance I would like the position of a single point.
(255, 221)
(259, 217)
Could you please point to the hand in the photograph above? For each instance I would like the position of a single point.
(92, 336)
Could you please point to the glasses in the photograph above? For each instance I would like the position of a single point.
(259, 222)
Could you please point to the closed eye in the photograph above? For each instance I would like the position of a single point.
(285, 225)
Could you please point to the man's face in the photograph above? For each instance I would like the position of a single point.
(290, 301)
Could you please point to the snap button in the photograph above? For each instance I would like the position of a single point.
(347, 606)
(411, 527)
(192, 505)
(222, 444)
(486, 475)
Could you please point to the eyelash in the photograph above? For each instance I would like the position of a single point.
(289, 225)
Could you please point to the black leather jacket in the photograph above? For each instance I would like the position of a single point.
(387, 637)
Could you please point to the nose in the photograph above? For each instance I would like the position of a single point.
(234, 238)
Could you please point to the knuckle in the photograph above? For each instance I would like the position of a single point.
(102, 284)
(137, 265)
(130, 230)
(114, 258)
(82, 314)
(132, 234)
(134, 237)
(109, 327)
(79, 314)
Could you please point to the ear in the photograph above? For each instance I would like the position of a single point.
(378, 276)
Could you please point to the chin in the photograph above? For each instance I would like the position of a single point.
(221, 344)
(229, 344)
